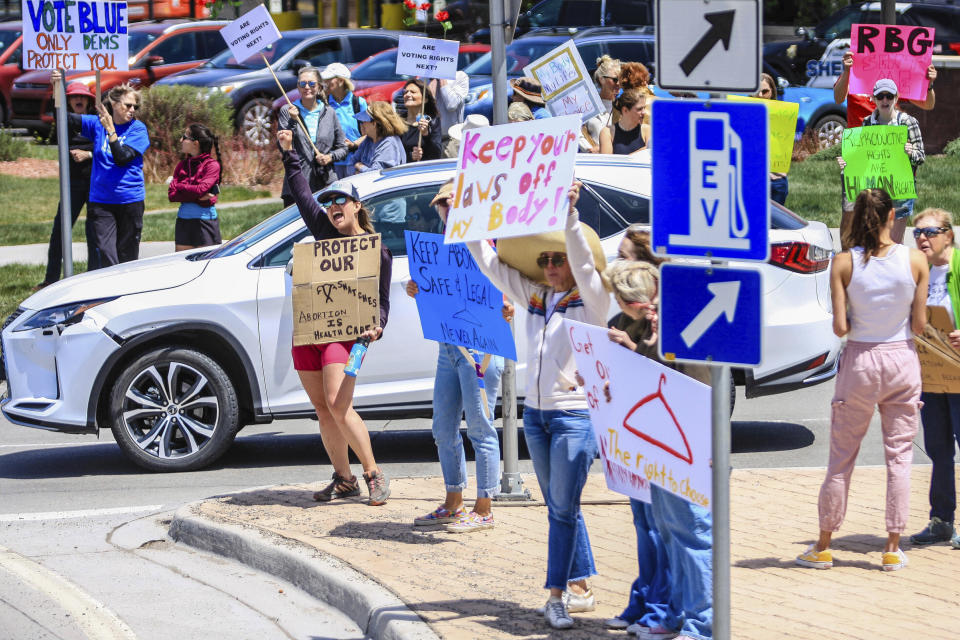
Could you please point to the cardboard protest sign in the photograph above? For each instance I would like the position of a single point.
(876, 160)
(567, 85)
(251, 33)
(427, 57)
(86, 35)
(512, 179)
(650, 421)
(336, 289)
(782, 125)
(898, 52)
(457, 303)
(939, 361)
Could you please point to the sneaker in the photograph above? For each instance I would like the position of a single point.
(340, 487)
(955, 542)
(379, 488)
(815, 559)
(556, 614)
(615, 623)
(579, 603)
(894, 560)
(440, 515)
(652, 633)
(936, 531)
(471, 522)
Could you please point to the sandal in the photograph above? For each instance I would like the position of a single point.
(340, 487)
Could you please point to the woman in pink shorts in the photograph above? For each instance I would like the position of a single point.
(338, 213)
(879, 291)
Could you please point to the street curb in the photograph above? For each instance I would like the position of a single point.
(375, 609)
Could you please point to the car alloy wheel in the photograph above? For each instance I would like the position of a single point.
(829, 131)
(256, 122)
(174, 410)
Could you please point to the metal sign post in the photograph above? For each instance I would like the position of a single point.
(720, 409)
(63, 152)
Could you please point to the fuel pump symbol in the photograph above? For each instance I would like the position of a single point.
(717, 216)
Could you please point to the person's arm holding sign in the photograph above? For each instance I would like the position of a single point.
(841, 87)
(595, 296)
(310, 210)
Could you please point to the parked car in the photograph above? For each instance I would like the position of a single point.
(252, 87)
(790, 58)
(10, 54)
(562, 15)
(157, 49)
(138, 10)
(205, 335)
(376, 77)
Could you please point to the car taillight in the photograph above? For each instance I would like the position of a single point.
(801, 257)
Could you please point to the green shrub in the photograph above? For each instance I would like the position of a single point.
(167, 110)
(830, 153)
(11, 148)
(952, 148)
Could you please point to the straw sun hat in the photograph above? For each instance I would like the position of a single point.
(522, 252)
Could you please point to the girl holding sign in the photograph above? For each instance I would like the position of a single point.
(556, 276)
(339, 213)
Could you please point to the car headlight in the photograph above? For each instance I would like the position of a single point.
(227, 88)
(65, 314)
(476, 94)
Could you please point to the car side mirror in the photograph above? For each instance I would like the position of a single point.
(782, 83)
(298, 64)
(801, 32)
(152, 61)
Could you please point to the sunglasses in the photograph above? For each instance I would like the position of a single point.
(307, 83)
(614, 78)
(885, 96)
(130, 105)
(184, 136)
(339, 200)
(930, 232)
(557, 260)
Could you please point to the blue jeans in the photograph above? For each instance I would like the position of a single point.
(650, 592)
(941, 427)
(455, 393)
(778, 189)
(687, 533)
(562, 448)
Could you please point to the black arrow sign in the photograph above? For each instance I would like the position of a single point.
(721, 26)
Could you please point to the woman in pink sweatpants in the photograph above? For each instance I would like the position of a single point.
(879, 291)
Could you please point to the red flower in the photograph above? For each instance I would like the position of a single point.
(442, 16)
(410, 4)
(425, 6)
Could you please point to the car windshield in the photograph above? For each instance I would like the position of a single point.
(251, 237)
(273, 53)
(838, 23)
(520, 53)
(138, 40)
(7, 38)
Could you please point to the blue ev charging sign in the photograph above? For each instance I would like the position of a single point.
(710, 180)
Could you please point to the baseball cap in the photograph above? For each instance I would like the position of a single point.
(885, 85)
(335, 70)
(342, 187)
(79, 89)
(363, 116)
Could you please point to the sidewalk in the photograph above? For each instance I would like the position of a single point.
(488, 584)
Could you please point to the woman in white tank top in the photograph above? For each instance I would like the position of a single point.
(879, 291)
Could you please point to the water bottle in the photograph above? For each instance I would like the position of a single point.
(356, 357)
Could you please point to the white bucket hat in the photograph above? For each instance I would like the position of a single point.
(335, 70)
(473, 121)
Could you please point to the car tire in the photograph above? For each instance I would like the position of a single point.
(174, 409)
(828, 131)
(255, 122)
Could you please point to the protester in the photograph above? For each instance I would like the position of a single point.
(529, 93)
(323, 129)
(779, 185)
(933, 232)
(195, 184)
(859, 106)
(556, 276)
(340, 96)
(339, 213)
(879, 291)
(80, 101)
(885, 93)
(635, 75)
(607, 79)
(473, 121)
(117, 192)
(451, 99)
(461, 377)
(673, 591)
(381, 147)
(519, 112)
(629, 135)
(422, 139)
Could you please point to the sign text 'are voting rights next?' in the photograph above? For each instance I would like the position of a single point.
(75, 35)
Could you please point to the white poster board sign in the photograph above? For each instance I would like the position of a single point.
(85, 35)
(649, 419)
(512, 179)
(427, 57)
(567, 85)
(251, 33)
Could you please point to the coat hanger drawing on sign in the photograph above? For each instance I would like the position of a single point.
(658, 395)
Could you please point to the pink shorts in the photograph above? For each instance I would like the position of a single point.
(314, 357)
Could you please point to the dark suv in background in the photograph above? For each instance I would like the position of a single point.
(789, 59)
(563, 14)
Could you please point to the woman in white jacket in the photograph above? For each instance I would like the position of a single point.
(556, 424)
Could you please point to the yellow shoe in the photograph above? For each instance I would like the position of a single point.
(894, 560)
(815, 559)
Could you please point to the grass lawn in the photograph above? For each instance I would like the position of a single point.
(815, 188)
(17, 282)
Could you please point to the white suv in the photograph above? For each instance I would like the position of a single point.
(176, 353)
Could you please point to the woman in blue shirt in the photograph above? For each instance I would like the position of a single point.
(339, 87)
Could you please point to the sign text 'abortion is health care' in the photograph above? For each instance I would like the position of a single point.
(512, 179)
(80, 35)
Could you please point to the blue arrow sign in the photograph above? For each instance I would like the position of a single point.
(711, 193)
(710, 314)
